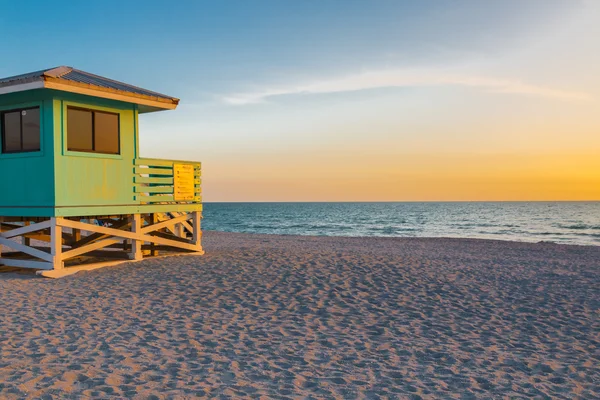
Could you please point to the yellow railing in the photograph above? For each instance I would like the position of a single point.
(166, 181)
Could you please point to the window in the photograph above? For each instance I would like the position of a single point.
(20, 130)
(92, 131)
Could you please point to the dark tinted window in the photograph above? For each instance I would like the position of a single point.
(92, 131)
(106, 132)
(20, 130)
(31, 129)
(79, 130)
(11, 132)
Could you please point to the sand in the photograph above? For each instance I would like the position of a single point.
(306, 317)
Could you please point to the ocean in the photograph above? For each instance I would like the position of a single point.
(558, 222)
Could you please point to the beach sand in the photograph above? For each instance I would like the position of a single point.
(290, 317)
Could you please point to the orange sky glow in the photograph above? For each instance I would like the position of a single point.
(514, 120)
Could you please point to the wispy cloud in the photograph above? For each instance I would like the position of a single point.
(406, 78)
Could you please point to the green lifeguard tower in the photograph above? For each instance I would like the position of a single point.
(74, 192)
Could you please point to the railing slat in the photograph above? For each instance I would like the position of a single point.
(154, 199)
(154, 182)
(153, 189)
(147, 179)
(151, 162)
(165, 163)
(154, 171)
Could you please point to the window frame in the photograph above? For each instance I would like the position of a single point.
(93, 111)
(3, 134)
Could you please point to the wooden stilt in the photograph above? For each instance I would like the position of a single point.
(136, 244)
(197, 233)
(56, 243)
(174, 232)
(153, 250)
(179, 230)
(126, 245)
(25, 239)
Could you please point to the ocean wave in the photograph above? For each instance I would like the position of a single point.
(594, 235)
(578, 227)
(392, 230)
(573, 223)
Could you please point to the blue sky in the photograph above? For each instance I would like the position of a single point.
(226, 45)
(277, 85)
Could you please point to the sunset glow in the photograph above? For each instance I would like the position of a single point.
(466, 101)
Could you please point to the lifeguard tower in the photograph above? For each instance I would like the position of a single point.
(74, 192)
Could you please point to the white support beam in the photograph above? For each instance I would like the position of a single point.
(153, 250)
(98, 229)
(125, 234)
(184, 224)
(172, 243)
(147, 231)
(25, 229)
(26, 249)
(90, 247)
(25, 239)
(187, 226)
(164, 217)
(15, 262)
(56, 242)
(197, 232)
(164, 224)
(136, 244)
(179, 232)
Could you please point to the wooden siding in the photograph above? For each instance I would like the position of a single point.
(89, 179)
(27, 183)
(62, 183)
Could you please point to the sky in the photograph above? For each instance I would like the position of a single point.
(433, 100)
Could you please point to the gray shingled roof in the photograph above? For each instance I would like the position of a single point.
(69, 74)
(29, 77)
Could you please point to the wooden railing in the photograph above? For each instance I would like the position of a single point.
(166, 181)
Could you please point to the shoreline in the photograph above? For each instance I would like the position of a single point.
(406, 238)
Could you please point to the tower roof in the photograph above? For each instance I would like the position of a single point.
(69, 79)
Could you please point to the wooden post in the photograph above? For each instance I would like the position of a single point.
(126, 245)
(177, 228)
(25, 239)
(56, 243)
(136, 245)
(197, 231)
(153, 251)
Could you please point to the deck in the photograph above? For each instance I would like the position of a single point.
(163, 216)
(148, 186)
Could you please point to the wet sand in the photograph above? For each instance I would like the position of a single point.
(290, 317)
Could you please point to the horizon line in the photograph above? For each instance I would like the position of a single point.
(409, 201)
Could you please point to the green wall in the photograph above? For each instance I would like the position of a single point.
(89, 180)
(27, 179)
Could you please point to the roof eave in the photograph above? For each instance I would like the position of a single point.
(29, 84)
(108, 93)
(47, 82)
